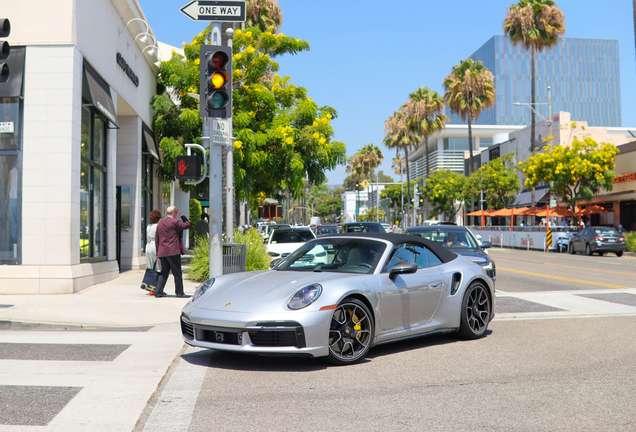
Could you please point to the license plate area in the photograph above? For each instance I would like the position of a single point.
(219, 335)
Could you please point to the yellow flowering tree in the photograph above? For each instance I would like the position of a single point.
(575, 172)
(442, 189)
(283, 138)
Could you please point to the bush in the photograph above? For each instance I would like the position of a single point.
(194, 214)
(630, 239)
(257, 257)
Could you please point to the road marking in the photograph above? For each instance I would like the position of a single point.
(563, 265)
(565, 279)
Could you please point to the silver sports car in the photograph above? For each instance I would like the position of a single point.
(339, 295)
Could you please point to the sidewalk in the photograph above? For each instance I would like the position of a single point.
(117, 303)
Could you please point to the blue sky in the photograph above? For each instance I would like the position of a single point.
(366, 57)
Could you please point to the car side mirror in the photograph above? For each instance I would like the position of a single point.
(486, 244)
(402, 268)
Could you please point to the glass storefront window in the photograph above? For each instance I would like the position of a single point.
(93, 186)
(10, 179)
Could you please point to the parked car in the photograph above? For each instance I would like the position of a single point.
(282, 242)
(563, 243)
(460, 240)
(268, 229)
(597, 239)
(326, 229)
(387, 227)
(353, 227)
(375, 288)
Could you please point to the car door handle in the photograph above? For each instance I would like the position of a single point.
(435, 285)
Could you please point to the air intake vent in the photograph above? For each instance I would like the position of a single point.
(457, 281)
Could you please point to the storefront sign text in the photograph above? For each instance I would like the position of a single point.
(131, 74)
(625, 178)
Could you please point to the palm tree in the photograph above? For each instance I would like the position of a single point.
(469, 90)
(537, 24)
(399, 136)
(372, 157)
(425, 108)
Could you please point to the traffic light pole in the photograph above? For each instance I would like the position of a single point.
(216, 182)
(229, 160)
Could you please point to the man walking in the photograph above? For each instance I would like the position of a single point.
(169, 243)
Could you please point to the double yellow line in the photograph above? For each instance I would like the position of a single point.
(566, 279)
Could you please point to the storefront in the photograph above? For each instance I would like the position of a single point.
(78, 158)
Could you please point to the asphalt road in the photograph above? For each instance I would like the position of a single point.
(558, 357)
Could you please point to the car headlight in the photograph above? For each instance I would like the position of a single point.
(305, 296)
(273, 254)
(202, 289)
(487, 266)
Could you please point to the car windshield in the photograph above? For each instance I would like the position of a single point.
(327, 230)
(605, 231)
(291, 236)
(452, 239)
(340, 255)
(364, 228)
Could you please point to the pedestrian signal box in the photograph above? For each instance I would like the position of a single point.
(188, 167)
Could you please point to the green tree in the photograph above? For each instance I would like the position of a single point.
(283, 138)
(425, 109)
(469, 89)
(370, 215)
(442, 189)
(498, 180)
(263, 14)
(394, 194)
(576, 172)
(536, 24)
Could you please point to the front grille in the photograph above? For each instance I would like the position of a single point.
(280, 334)
(186, 328)
(220, 337)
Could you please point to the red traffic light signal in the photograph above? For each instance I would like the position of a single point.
(215, 75)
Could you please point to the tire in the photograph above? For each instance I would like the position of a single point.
(571, 249)
(601, 253)
(476, 312)
(351, 332)
(588, 249)
(619, 254)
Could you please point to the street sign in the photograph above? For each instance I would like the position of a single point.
(215, 10)
(220, 132)
(365, 184)
(552, 203)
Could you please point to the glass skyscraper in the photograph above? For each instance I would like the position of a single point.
(583, 75)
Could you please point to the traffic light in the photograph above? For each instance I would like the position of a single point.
(5, 30)
(421, 200)
(215, 76)
(188, 167)
(357, 185)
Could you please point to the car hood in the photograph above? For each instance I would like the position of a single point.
(251, 291)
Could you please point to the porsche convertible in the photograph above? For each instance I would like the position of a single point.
(338, 296)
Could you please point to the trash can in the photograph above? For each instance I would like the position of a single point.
(234, 258)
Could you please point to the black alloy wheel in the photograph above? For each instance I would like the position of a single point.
(475, 312)
(350, 333)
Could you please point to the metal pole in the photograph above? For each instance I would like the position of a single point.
(229, 169)
(216, 184)
(550, 108)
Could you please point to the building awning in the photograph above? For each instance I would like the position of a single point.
(100, 94)
(524, 199)
(12, 88)
(151, 145)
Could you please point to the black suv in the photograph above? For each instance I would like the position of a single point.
(363, 227)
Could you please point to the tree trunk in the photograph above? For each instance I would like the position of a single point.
(428, 169)
(532, 124)
(470, 162)
(408, 185)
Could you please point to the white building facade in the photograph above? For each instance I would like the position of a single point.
(78, 168)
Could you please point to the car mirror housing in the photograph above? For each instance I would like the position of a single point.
(402, 268)
(486, 244)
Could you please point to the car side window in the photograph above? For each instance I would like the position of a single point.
(409, 252)
(433, 260)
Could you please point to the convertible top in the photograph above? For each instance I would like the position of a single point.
(442, 253)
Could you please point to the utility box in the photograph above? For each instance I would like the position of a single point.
(234, 258)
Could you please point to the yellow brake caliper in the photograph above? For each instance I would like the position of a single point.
(356, 327)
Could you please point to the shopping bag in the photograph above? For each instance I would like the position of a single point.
(150, 279)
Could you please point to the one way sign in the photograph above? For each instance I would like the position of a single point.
(213, 10)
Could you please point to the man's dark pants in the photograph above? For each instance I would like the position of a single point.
(170, 263)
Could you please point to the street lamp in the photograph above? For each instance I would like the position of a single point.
(549, 104)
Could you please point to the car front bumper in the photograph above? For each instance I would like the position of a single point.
(299, 333)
